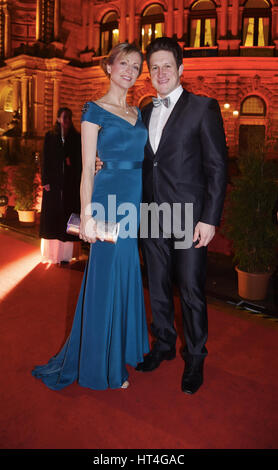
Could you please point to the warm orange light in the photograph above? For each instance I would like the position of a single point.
(16, 271)
(47, 263)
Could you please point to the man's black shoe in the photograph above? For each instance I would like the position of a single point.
(153, 359)
(192, 378)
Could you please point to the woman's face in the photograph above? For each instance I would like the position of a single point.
(65, 120)
(125, 69)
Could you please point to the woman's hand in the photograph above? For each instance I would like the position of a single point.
(99, 165)
(87, 231)
(46, 187)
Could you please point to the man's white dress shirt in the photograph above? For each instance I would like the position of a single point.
(160, 116)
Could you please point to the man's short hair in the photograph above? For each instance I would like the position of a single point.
(165, 44)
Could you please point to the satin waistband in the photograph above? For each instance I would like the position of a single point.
(121, 165)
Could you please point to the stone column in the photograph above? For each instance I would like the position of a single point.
(30, 104)
(235, 18)
(16, 94)
(91, 25)
(85, 23)
(96, 36)
(123, 33)
(56, 98)
(7, 31)
(180, 19)
(240, 17)
(275, 25)
(39, 20)
(137, 35)
(170, 18)
(57, 9)
(24, 98)
(131, 33)
(223, 18)
(39, 107)
(185, 25)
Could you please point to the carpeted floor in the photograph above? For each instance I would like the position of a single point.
(236, 408)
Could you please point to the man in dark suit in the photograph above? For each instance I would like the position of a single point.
(185, 162)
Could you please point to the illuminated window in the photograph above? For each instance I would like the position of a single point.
(253, 106)
(6, 100)
(109, 32)
(202, 24)
(256, 23)
(152, 25)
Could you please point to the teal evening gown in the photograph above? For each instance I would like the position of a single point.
(109, 328)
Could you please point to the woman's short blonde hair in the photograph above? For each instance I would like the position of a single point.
(123, 48)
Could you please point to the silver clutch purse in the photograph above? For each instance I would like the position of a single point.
(106, 231)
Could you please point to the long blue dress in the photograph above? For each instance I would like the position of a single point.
(109, 328)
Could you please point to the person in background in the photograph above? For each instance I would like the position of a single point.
(61, 175)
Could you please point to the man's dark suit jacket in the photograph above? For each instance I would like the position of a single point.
(190, 165)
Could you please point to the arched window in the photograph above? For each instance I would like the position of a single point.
(6, 99)
(6, 108)
(109, 32)
(152, 24)
(253, 106)
(202, 24)
(252, 125)
(256, 23)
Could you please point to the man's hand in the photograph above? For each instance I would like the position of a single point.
(99, 164)
(204, 233)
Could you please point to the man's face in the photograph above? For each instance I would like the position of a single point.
(164, 73)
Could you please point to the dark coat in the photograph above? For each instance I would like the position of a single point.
(190, 164)
(61, 169)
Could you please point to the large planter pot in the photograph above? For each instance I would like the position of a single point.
(252, 286)
(27, 218)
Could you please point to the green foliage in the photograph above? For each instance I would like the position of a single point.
(3, 174)
(248, 221)
(25, 184)
(3, 181)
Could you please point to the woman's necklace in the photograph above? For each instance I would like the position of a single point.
(126, 110)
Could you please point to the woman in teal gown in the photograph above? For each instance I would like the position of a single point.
(109, 329)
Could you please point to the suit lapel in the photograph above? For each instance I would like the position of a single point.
(178, 108)
(147, 117)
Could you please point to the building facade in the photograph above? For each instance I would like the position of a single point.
(50, 51)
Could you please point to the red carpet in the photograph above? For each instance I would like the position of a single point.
(237, 407)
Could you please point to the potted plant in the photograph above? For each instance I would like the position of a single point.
(26, 186)
(248, 223)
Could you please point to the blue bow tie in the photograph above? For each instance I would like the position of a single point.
(158, 101)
